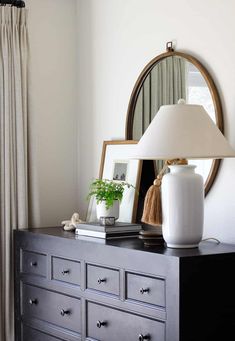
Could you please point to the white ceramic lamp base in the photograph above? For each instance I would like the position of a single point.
(182, 207)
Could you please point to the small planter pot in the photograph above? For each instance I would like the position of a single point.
(112, 211)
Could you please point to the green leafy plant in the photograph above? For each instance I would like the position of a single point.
(108, 191)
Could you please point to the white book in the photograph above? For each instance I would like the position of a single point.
(101, 240)
(106, 235)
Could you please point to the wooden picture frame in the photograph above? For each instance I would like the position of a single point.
(114, 153)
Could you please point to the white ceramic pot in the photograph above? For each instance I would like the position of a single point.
(112, 211)
(182, 207)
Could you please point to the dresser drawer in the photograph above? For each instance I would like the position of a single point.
(145, 289)
(62, 310)
(34, 263)
(103, 279)
(66, 270)
(30, 334)
(108, 324)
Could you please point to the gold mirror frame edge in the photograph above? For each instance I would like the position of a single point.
(214, 94)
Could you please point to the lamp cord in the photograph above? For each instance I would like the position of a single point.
(212, 238)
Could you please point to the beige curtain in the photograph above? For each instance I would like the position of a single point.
(165, 84)
(13, 151)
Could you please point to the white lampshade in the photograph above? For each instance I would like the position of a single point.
(183, 131)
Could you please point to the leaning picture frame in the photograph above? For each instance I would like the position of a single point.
(116, 165)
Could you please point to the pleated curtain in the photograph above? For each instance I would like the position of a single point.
(13, 151)
(165, 84)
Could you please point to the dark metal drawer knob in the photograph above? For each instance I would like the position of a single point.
(99, 324)
(33, 301)
(64, 312)
(101, 280)
(64, 272)
(142, 290)
(33, 263)
(144, 337)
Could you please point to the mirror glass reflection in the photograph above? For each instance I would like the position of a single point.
(169, 80)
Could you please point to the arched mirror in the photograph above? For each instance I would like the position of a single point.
(166, 79)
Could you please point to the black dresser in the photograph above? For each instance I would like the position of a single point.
(68, 288)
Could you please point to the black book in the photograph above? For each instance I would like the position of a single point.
(117, 227)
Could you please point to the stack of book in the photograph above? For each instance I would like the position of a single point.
(119, 230)
(152, 237)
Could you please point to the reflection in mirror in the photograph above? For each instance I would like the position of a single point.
(199, 93)
(165, 84)
(169, 80)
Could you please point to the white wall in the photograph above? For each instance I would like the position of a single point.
(116, 38)
(53, 110)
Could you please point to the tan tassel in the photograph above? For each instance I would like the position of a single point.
(152, 213)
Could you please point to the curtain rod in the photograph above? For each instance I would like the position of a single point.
(16, 3)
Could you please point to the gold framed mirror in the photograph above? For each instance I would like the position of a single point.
(167, 78)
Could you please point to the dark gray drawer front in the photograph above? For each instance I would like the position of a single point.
(30, 334)
(103, 279)
(58, 309)
(66, 270)
(34, 263)
(146, 289)
(108, 324)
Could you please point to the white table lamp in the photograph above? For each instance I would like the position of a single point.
(182, 131)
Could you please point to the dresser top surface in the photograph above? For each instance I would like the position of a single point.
(205, 247)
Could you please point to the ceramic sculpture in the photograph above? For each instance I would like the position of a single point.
(70, 225)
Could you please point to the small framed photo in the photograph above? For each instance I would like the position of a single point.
(120, 170)
(116, 165)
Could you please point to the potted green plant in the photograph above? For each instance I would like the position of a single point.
(108, 195)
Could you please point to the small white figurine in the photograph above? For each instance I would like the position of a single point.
(70, 225)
